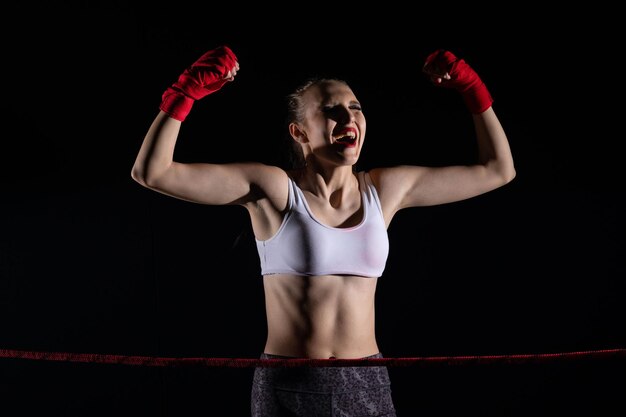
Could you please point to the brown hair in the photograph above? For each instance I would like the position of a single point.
(295, 114)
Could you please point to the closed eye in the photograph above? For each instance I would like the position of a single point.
(330, 109)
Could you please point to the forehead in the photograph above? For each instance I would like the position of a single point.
(330, 91)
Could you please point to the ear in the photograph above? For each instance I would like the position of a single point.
(298, 134)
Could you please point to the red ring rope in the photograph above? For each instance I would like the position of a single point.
(278, 363)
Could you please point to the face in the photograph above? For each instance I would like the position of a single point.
(334, 127)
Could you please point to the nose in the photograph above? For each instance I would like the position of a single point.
(346, 115)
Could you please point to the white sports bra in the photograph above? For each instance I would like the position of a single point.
(304, 246)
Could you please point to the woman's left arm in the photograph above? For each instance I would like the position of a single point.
(410, 186)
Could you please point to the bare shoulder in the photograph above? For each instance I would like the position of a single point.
(393, 184)
(268, 184)
(267, 199)
(396, 179)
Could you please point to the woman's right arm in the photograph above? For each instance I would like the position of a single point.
(205, 183)
(262, 189)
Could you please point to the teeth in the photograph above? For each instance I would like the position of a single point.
(350, 135)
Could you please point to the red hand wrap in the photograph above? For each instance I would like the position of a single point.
(203, 77)
(462, 78)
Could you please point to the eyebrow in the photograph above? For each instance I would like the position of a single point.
(333, 104)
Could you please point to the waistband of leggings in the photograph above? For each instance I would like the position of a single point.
(331, 379)
(272, 356)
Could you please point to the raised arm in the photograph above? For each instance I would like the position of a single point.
(154, 166)
(409, 186)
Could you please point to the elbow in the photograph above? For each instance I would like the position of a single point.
(509, 174)
(147, 177)
(506, 175)
(502, 174)
(137, 175)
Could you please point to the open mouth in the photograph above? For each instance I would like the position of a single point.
(346, 137)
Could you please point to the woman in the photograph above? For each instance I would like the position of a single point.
(321, 228)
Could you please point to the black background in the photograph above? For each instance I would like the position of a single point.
(91, 262)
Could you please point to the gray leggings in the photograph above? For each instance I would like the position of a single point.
(321, 391)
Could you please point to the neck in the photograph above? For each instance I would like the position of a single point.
(329, 183)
